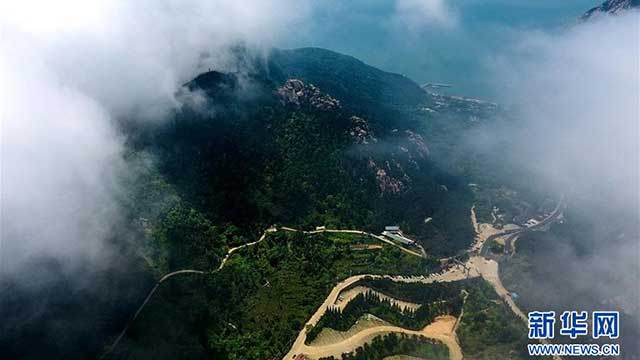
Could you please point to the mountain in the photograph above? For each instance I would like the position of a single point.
(311, 137)
(301, 138)
(611, 7)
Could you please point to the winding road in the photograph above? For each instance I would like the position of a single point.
(513, 234)
(476, 265)
(442, 329)
(300, 347)
(224, 262)
(172, 274)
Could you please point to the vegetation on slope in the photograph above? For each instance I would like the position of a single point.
(488, 329)
(257, 304)
(435, 299)
(244, 158)
(384, 346)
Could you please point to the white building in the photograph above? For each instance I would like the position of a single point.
(399, 237)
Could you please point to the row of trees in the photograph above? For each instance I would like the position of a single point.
(397, 344)
(435, 300)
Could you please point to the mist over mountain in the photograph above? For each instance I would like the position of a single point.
(182, 138)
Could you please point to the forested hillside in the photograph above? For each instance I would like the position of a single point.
(311, 138)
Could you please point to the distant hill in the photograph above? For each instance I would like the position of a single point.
(364, 89)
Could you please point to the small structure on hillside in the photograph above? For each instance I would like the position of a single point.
(531, 222)
(394, 233)
(321, 228)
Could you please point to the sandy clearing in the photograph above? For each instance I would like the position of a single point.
(489, 271)
(330, 336)
(441, 330)
(454, 273)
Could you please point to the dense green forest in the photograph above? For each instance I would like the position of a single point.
(251, 159)
(258, 303)
(371, 303)
(341, 149)
(435, 299)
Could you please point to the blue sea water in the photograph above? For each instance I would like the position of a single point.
(457, 55)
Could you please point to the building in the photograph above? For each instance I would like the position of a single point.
(321, 228)
(398, 237)
(531, 222)
(393, 232)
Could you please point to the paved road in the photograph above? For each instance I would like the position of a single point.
(513, 234)
(509, 243)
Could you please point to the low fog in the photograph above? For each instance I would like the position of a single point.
(574, 97)
(69, 71)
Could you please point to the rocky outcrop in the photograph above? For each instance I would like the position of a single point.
(388, 184)
(297, 93)
(473, 109)
(360, 131)
(417, 144)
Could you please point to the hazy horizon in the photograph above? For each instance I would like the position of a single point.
(452, 48)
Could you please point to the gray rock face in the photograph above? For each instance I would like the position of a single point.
(360, 131)
(611, 7)
(296, 93)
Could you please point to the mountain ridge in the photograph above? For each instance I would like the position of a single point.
(614, 7)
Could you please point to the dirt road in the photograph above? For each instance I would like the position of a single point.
(422, 252)
(441, 330)
(172, 274)
(454, 273)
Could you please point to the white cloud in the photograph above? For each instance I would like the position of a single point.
(68, 69)
(577, 94)
(417, 14)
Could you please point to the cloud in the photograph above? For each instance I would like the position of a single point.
(69, 71)
(574, 96)
(418, 14)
